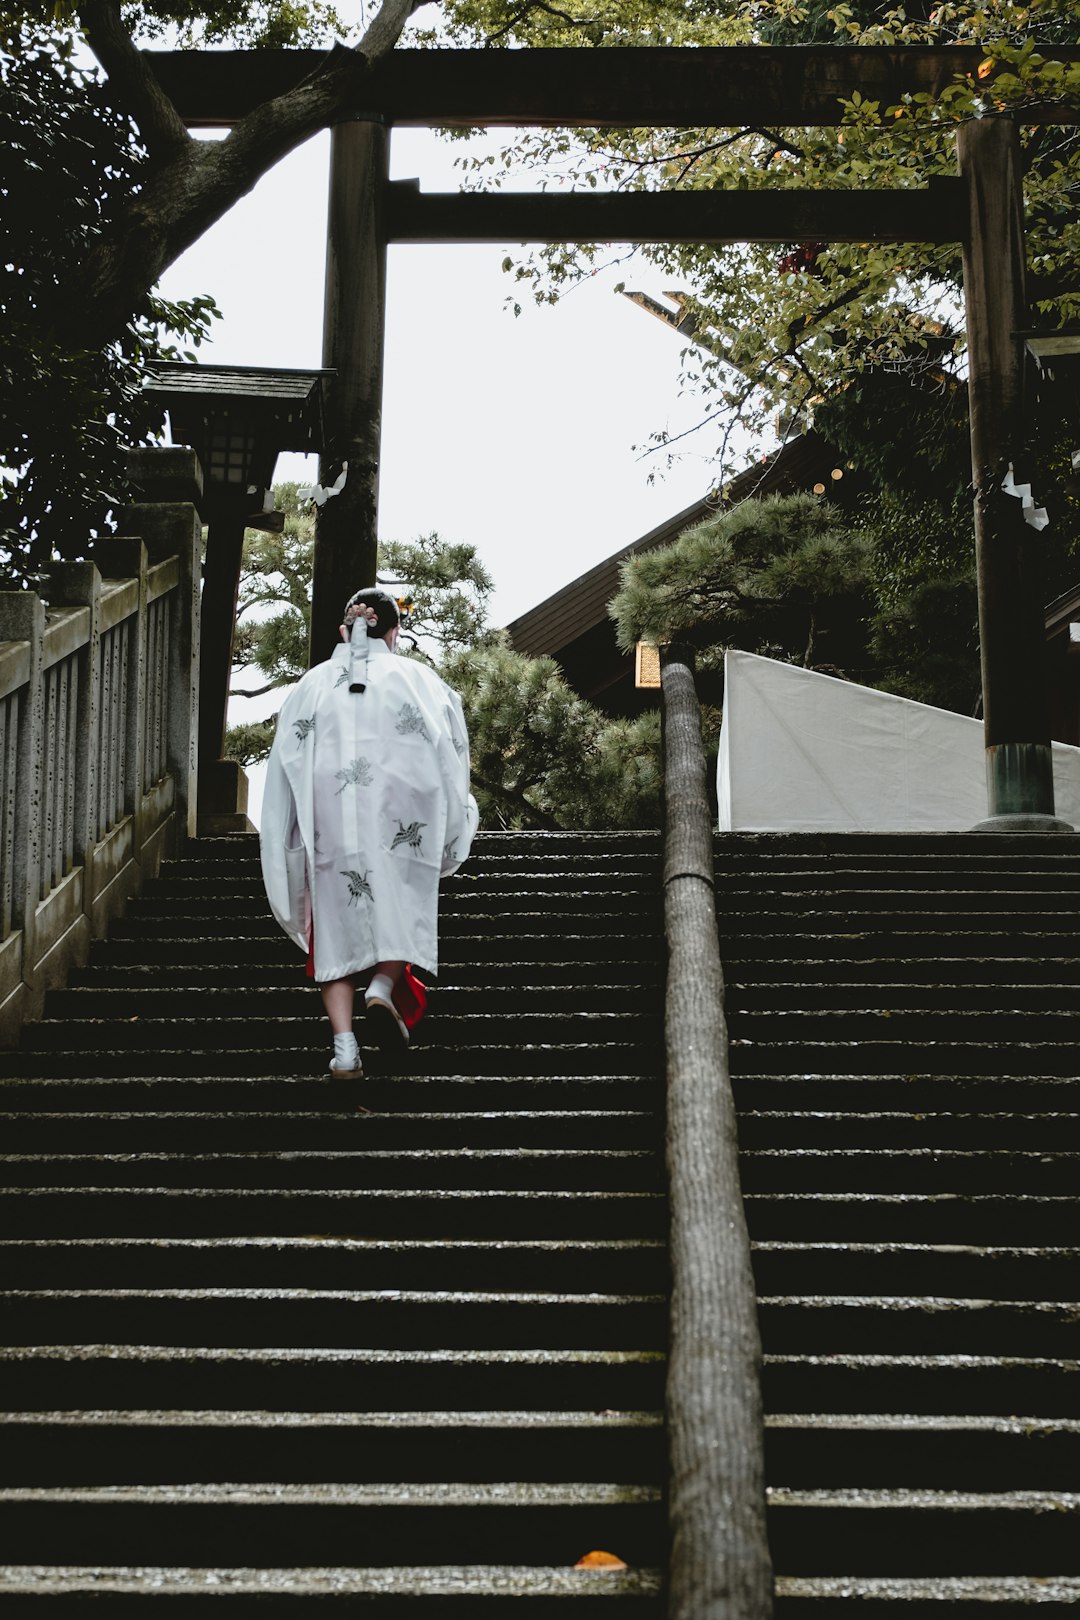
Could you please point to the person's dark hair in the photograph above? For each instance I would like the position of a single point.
(380, 602)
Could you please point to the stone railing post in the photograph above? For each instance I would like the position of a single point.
(78, 584)
(22, 618)
(124, 557)
(168, 522)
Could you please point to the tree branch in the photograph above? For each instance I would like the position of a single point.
(260, 691)
(538, 5)
(803, 323)
(199, 181)
(779, 144)
(517, 802)
(130, 73)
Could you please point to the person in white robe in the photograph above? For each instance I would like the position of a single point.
(366, 806)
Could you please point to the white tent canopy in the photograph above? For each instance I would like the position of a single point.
(803, 752)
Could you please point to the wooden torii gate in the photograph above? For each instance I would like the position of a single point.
(720, 87)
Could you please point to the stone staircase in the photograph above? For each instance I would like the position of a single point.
(272, 1352)
(904, 1016)
(269, 1350)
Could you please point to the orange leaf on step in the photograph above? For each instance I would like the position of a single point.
(600, 1560)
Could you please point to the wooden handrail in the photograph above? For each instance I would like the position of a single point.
(719, 1567)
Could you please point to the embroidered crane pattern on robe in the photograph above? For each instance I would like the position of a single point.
(413, 835)
(410, 722)
(358, 885)
(358, 774)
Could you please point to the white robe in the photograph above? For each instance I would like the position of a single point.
(366, 805)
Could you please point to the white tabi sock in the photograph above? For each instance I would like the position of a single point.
(380, 986)
(346, 1051)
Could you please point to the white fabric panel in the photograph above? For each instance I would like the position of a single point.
(803, 752)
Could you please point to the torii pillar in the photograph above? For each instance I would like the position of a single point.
(354, 320)
(1012, 636)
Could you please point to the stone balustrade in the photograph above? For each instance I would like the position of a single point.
(98, 741)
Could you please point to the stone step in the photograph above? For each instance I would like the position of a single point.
(95, 1377)
(952, 1270)
(183, 1446)
(448, 1592)
(860, 999)
(768, 849)
(568, 1265)
(938, 903)
(229, 1019)
(980, 1059)
(922, 1451)
(335, 1130)
(374, 1213)
(925, 1171)
(267, 946)
(458, 1591)
(912, 1094)
(918, 1026)
(486, 857)
(329, 1523)
(777, 1130)
(375, 1319)
(186, 1447)
(817, 1532)
(755, 972)
(609, 920)
(214, 1031)
(956, 1384)
(171, 997)
(801, 1324)
(916, 1091)
(527, 845)
(305, 1060)
(639, 905)
(276, 971)
(922, 1171)
(843, 876)
(911, 1217)
(530, 888)
(944, 932)
(976, 1597)
(924, 1532)
(401, 1094)
(348, 1170)
(975, 939)
(830, 1324)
